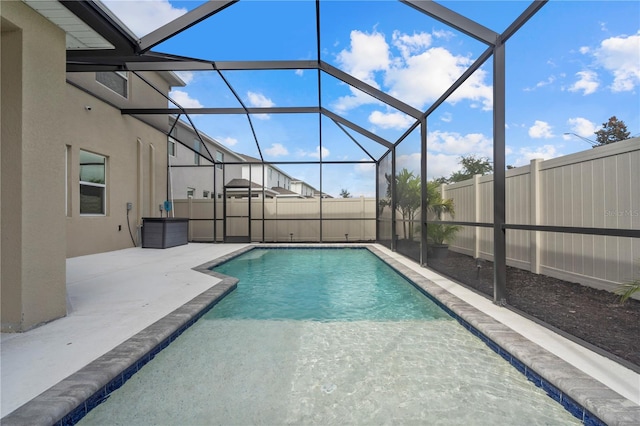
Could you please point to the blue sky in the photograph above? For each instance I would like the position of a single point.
(570, 68)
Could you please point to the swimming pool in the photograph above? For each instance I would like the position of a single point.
(316, 359)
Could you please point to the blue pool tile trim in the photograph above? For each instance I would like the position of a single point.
(90, 386)
(32, 412)
(576, 409)
(103, 394)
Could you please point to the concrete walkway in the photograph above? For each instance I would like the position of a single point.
(112, 296)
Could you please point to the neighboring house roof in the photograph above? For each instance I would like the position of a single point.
(250, 159)
(242, 183)
(206, 138)
(283, 192)
(316, 193)
(241, 186)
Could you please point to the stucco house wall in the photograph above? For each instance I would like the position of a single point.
(32, 182)
(136, 173)
(48, 117)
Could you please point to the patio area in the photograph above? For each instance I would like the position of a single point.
(112, 296)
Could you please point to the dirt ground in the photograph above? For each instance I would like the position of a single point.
(594, 316)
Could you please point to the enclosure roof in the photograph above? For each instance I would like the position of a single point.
(125, 52)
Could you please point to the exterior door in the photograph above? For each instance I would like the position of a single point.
(237, 218)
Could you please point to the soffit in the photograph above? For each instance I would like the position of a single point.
(80, 36)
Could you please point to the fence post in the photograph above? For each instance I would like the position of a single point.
(476, 216)
(190, 200)
(534, 189)
(363, 228)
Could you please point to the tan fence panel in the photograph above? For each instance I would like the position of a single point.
(287, 219)
(597, 188)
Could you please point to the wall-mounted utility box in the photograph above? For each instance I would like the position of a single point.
(164, 232)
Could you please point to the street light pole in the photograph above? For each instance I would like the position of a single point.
(589, 141)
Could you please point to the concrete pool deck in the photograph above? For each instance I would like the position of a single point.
(113, 296)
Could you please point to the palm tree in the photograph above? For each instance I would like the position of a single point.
(409, 198)
(440, 234)
(626, 290)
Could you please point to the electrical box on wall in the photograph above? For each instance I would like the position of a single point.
(129, 206)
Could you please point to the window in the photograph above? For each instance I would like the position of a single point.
(205, 194)
(117, 81)
(93, 187)
(196, 154)
(190, 192)
(171, 147)
(219, 159)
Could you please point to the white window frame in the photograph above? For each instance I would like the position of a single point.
(196, 153)
(171, 143)
(219, 159)
(95, 185)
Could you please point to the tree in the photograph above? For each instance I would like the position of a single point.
(409, 199)
(439, 233)
(435, 203)
(344, 193)
(471, 165)
(612, 131)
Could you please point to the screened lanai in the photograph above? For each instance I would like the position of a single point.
(335, 121)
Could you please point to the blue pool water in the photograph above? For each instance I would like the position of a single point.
(320, 285)
(326, 336)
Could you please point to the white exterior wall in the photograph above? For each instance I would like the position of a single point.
(270, 179)
(200, 178)
(302, 188)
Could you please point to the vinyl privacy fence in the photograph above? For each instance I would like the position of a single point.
(285, 219)
(598, 188)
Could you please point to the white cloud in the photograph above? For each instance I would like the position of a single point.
(227, 141)
(144, 16)
(364, 168)
(410, 162)
(368, 53)
(259, 100)
(621, 56)
(457, 144)
(391, 120)
(316, 153)
(184, 100)
(186, 76)
(439, 165)
(587, 82)
(299, 72)
(356, 99)
(540, 130)
(276, 150)
(410, 44)
(584, 50)
(527, 154)
(581, 126)
(422, 78)
(443, 34)
(446, 117)
(542, 83)
(418, 73)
